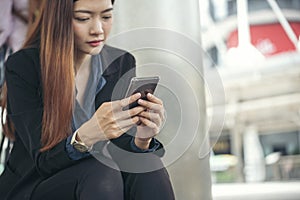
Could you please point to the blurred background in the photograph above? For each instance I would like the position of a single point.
(255, 46)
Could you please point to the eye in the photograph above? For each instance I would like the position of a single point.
(106, 18)
(81, 19)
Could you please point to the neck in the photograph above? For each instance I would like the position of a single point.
(81, 60)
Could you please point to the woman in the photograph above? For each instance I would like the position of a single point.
(59, 106)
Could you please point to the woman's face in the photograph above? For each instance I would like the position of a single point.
(92, 21)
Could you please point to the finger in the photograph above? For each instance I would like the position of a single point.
(154, 117)
(150, 105)
(129, 100)
(150, 124)
(124, 124)
(154, 99)
(158, 108)
(152, 102)
(130, 113)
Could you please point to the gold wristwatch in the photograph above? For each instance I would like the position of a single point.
(79, 145)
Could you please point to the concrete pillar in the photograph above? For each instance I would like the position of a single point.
(236, 148)
(255, 170)
(165, 38)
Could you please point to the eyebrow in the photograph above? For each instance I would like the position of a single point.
(91, 12)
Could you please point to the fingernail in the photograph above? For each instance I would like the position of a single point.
(140, 101)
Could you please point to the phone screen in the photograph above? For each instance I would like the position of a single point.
(143, 85)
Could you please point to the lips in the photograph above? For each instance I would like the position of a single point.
(95, 43)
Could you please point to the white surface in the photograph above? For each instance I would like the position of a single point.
(257, 191)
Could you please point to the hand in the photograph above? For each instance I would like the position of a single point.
(151, 120)
(110, 121)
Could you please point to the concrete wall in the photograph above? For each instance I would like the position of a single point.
(165, 38)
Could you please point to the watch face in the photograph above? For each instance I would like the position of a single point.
(80, 147)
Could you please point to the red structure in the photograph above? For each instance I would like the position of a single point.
(269, 39)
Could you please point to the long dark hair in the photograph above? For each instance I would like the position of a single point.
(53, 34)
(49, 34)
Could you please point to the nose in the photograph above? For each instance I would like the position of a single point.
(96, 28)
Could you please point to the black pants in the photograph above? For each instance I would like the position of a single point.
(90, 179)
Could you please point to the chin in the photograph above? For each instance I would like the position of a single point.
(96, 50)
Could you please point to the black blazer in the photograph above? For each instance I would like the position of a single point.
(27, 166)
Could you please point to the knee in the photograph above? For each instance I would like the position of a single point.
(156, 185)
(159, 178)
(99, 179)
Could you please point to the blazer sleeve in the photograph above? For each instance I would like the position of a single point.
(25, 109)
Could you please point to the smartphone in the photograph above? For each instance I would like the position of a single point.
(143, 85)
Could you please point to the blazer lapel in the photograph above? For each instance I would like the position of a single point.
(118, 69)
(109, 56)
(110, 63)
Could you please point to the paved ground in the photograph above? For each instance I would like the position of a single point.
(257, 191)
